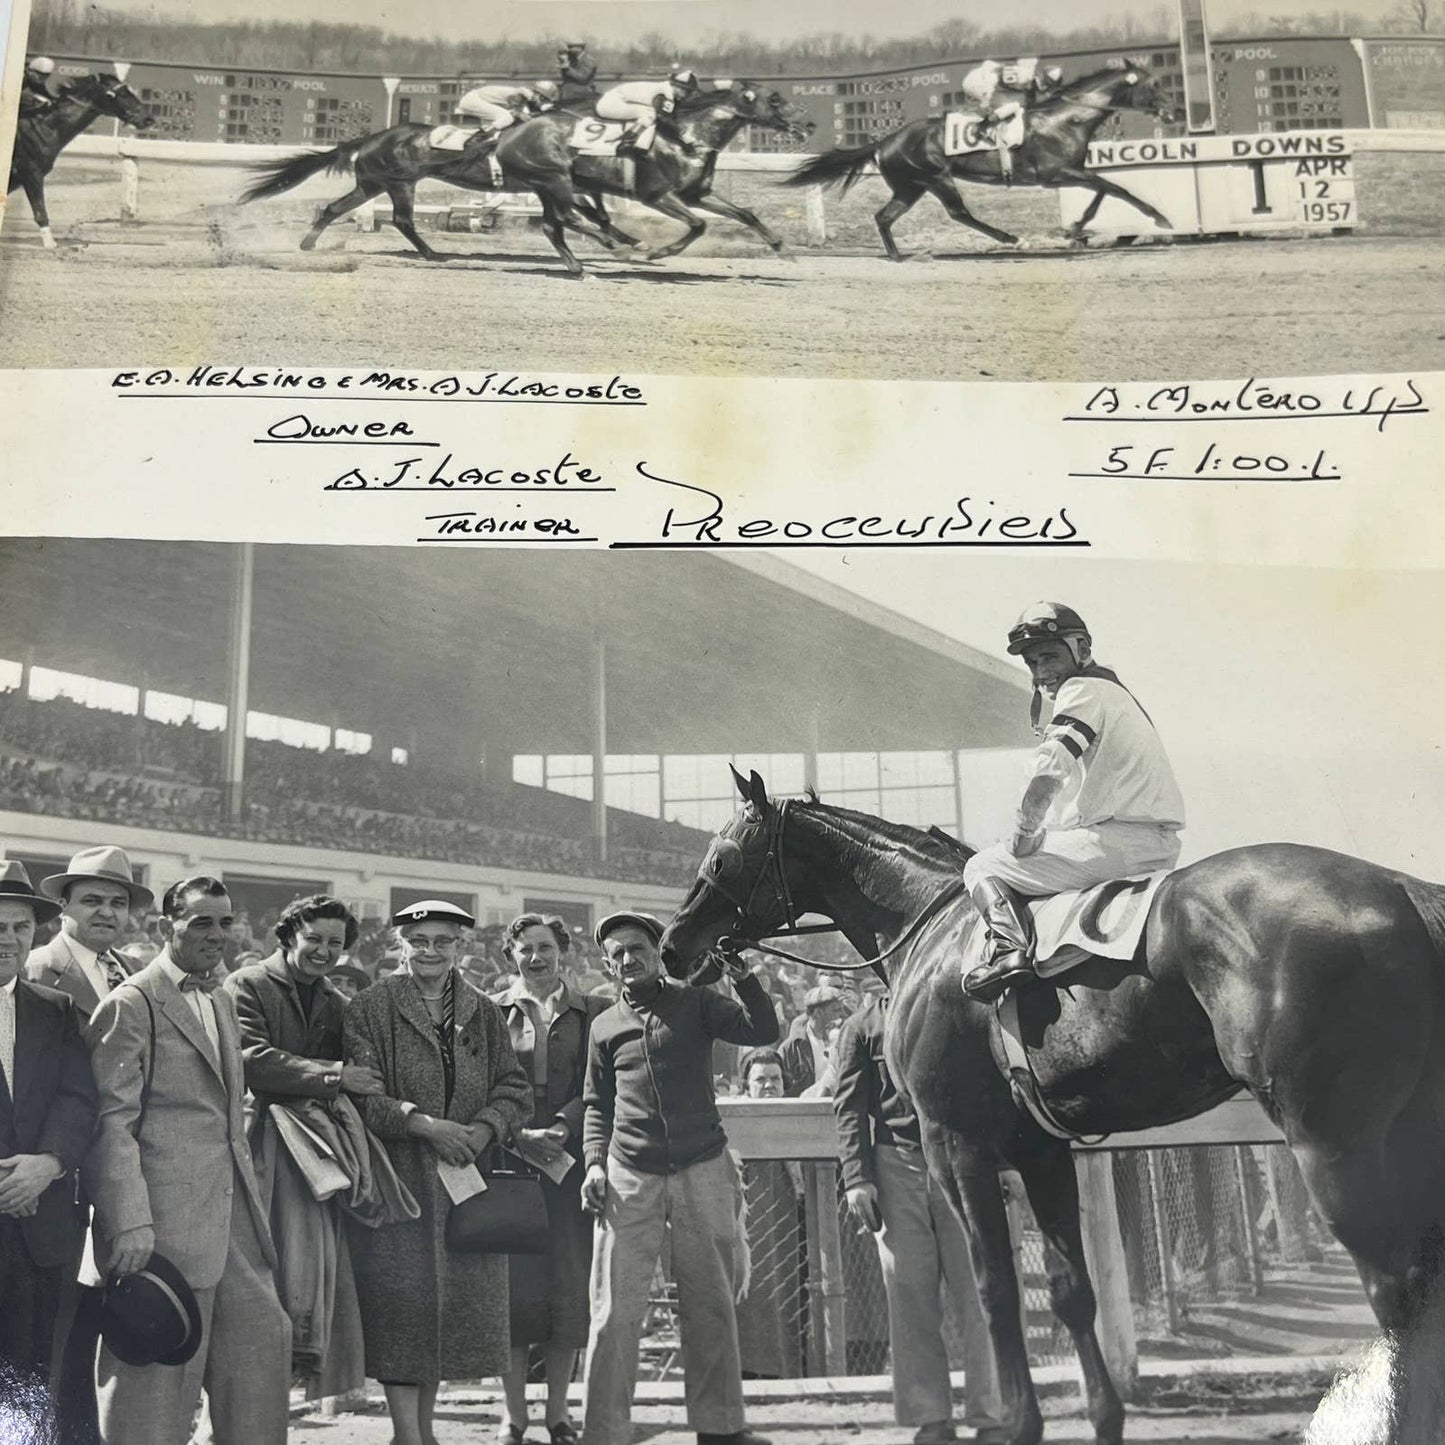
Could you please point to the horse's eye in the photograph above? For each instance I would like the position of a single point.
(724, 860)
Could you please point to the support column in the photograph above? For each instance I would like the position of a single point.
(957, 795)
(599, 752)
(810, 757)
(238, 692)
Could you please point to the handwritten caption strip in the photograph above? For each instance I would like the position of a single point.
(1266, 469)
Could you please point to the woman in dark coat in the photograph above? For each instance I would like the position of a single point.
(548, 1024)
(451, 1088)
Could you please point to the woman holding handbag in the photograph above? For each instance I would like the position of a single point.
(548, 1022)
(451, 1088)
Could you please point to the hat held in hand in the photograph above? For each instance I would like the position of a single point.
(151, 1317)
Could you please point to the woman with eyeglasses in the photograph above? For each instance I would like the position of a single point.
(451, 1088)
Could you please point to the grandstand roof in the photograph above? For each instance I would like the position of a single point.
(492, 652)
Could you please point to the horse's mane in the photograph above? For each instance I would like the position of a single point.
(931, 845)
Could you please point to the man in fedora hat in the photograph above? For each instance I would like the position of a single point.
(97, 894)
(47, 1115)
(171, 1171)
(806, 1053)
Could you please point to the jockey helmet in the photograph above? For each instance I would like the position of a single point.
(1048, 622)
(681, 75)
(1053, 74)
(547, 89)
(41, 65)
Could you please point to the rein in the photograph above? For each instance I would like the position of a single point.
(772, 871)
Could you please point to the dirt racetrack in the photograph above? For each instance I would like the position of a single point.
(198, 280)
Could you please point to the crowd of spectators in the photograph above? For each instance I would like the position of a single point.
(68, 760)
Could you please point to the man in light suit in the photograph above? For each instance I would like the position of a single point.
(170, 1171)
(97, 894)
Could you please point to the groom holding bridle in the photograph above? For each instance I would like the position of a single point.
(1102, 801)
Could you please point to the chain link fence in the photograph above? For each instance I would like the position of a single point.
(1199, 1226)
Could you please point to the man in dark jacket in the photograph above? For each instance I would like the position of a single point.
(576, 70)
(47, 1116)
(921, 1244)
(657, 1156)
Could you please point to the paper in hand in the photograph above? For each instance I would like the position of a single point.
(461, 1182)
(556, 1168)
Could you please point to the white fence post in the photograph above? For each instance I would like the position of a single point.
(1104, 1255)
(817, 222)
(129, 188)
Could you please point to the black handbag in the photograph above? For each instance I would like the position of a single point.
(509, 1217)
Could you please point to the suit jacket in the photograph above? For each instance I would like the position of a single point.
(798, 1071)
(53, 1111)
(57, 965)
(286, 1055)
(566, 1051)
(182, 1174)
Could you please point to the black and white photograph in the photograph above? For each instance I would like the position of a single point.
(853, 855)
(1121, 188)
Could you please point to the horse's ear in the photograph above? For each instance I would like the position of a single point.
(742, 782)
(757, 793)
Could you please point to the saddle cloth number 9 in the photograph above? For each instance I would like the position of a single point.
(595, 137)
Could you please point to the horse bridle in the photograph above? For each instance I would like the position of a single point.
(771, 869)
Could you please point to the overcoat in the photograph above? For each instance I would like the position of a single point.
(428, 1314)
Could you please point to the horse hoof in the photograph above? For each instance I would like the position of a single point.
(309, 244)
(46, 239)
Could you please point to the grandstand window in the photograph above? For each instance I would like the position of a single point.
(400, 757)
(11, 674)
(345, 741)
(46, 683)
(528, 768)
(170, 707)
(268, 727)
(634, 783)
(569, 773)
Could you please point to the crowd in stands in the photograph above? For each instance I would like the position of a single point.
(68, 760)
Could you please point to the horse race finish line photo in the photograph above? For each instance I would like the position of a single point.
(1271, 198)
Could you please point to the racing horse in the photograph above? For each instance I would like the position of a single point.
(1053, 153)
(394, 160)
(667, 179)
(40, 138)
(1314, 980)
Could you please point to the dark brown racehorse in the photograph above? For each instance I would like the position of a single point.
(1052, 153)
(40, 138)
(666, 179)
(1314, 980)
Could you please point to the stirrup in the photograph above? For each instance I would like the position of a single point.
(990, 981)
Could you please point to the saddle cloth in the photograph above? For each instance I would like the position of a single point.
(593, 137)
(961, 128)
(1105, 921)
(450, 137)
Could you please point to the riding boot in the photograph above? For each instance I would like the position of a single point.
(1009, 941)
(479, 142)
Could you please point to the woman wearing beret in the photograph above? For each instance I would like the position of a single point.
(548, 1023)
(451, 1088)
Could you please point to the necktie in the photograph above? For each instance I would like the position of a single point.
(115, 975)
(198, 983)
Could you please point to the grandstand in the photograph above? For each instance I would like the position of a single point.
(433, 725)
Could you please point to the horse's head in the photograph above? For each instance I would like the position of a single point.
(741, 892)
(110, 95)
(772, 110)
(1136, 89)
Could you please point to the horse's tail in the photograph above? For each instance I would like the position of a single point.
(844, 165)
(274, 177)
(1429, 901)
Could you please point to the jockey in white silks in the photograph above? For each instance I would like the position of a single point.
(641, 104)
(1102, 801)
(499, 105)
(1000, 89)
(35, 93)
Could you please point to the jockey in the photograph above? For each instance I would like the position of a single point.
(502, 104)
(576, 70)
(646, 104)
(35, 96)
(993, 85)
(1102, 801)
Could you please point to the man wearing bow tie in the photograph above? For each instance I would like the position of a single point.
(97, 894)
(171, 1172)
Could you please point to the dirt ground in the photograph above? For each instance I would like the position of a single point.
(197, 280)
(1254, 1410)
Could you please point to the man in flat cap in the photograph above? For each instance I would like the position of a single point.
(656, 1157)
(171, 1171)
(47, 1116)
(806, 1053)
(96, 893)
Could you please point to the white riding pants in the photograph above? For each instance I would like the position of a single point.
(1072, 858)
